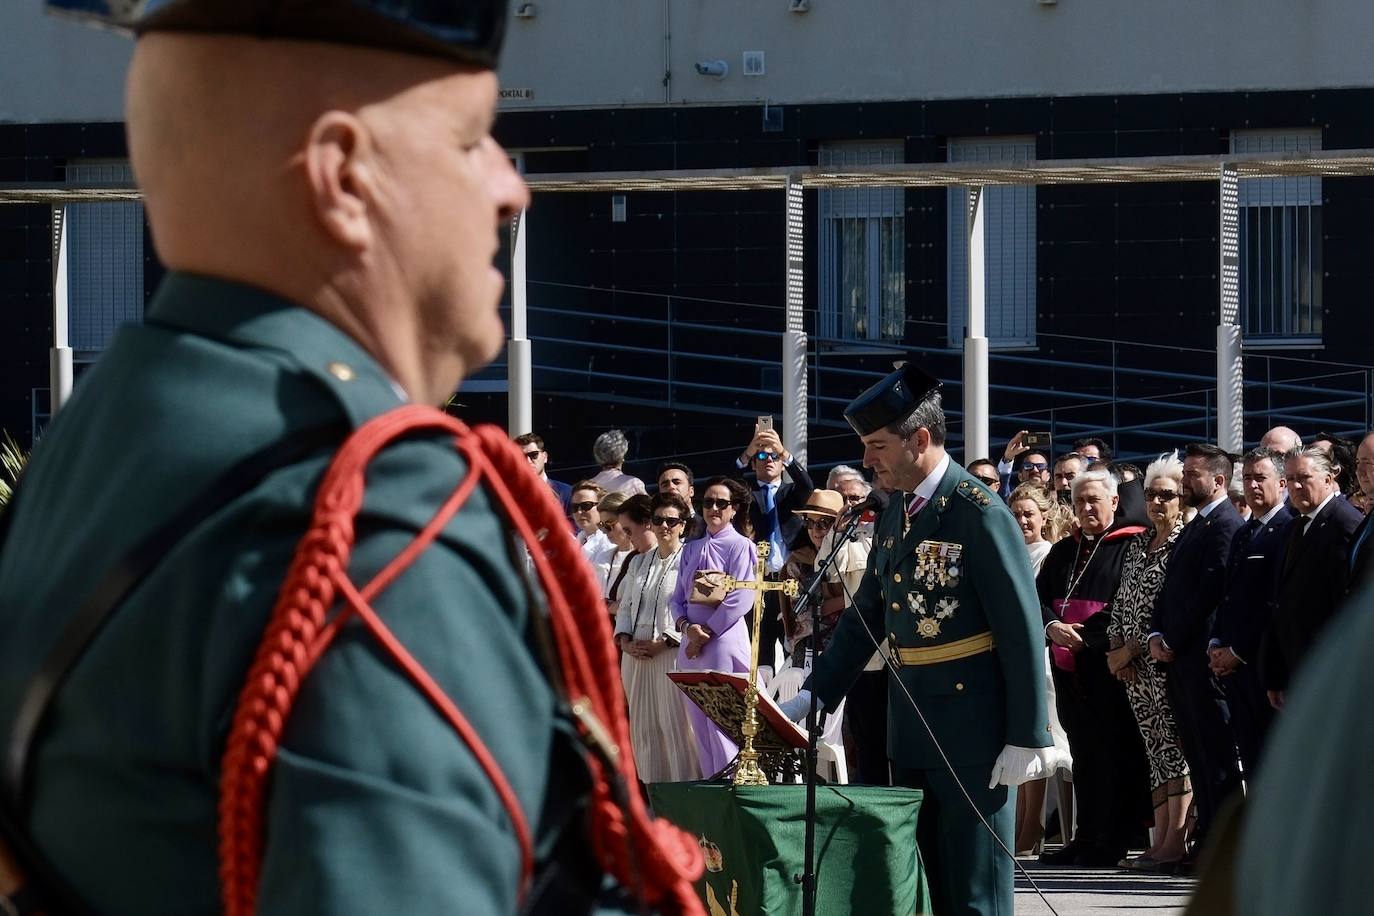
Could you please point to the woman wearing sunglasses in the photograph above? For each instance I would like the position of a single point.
(647, 637)
(585, 515)
(714, 635)
(613, 559)
(819, 516)
(1142, 575)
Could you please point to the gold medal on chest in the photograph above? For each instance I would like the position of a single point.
(937, 563)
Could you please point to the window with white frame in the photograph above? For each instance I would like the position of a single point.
(105, 259)
(1008, 246)
(1280, 244)
(862, 249)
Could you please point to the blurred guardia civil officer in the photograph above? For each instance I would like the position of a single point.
(321, 180)
(949, 586)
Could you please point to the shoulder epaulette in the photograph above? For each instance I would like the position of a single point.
(975, 494)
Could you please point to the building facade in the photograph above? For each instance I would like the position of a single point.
(662, 312)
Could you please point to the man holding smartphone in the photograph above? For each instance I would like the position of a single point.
(771, 513)
(1034, 464)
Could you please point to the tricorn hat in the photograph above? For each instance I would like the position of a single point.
(891, 400)
(466, 31)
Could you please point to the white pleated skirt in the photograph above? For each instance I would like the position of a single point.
(665, 750)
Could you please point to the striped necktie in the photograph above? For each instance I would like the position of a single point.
(914, 506)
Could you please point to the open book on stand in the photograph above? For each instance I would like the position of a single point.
(720, 694)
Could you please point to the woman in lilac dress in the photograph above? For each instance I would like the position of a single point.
(716, 638)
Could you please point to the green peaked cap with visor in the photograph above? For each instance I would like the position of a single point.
(891, 400)
(464, 31)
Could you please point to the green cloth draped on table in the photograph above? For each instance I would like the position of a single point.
(754, 839)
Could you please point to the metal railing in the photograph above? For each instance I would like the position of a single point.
(722, 358)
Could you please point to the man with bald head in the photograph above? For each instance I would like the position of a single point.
(1282, 440)
(321, 181)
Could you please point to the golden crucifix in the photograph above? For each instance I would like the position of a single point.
(748, 772)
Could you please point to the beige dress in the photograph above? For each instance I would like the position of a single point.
(664, 747)
(1063, 757)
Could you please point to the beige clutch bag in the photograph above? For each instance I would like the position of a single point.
(708, 587)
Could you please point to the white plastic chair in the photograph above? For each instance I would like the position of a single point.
(830, 761)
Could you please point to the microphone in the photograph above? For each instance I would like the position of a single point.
(876, 502)
(866, 511)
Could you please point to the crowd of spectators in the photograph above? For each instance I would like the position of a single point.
(1178, 603)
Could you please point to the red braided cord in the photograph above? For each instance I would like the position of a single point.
(297, 635)
(670, 859)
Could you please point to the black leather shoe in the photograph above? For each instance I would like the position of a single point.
(1064, 855)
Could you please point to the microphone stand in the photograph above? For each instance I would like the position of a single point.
(808, 875)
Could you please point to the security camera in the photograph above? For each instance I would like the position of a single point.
(716, 68)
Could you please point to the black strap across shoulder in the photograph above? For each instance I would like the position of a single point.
(121, 579)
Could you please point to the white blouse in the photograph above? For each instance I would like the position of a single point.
(599, 552)
(644, 594)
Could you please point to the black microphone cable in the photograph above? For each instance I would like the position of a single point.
(894, 672)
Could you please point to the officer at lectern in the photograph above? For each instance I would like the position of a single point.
(949, 588)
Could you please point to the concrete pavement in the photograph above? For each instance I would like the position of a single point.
(1096, 891)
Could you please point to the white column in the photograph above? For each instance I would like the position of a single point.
(794, 423)
(1230, 362)
(60, 356)
(975, 339)
(519, 358)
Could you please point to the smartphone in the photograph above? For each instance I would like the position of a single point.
(765, 422)
(1034, 440)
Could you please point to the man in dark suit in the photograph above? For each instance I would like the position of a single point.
(1251, 577)
(1362, 541)
(1193, 587)
(1021, 464)
(532, 444)
(771, 512)
(775, 500)
(676, 477)
(1315, 568)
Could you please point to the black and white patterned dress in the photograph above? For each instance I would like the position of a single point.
(1142, 574)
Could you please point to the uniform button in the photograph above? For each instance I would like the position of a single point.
(341, 371)
(959, 686)
(896, 606)
(896, 577)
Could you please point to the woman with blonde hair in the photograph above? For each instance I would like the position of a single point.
(1039, 515)
(1142, 575)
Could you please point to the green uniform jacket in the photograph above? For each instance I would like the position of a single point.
(974, 705)
(376, 805)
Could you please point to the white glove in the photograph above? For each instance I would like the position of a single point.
(796, 708)
(1016, 765)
